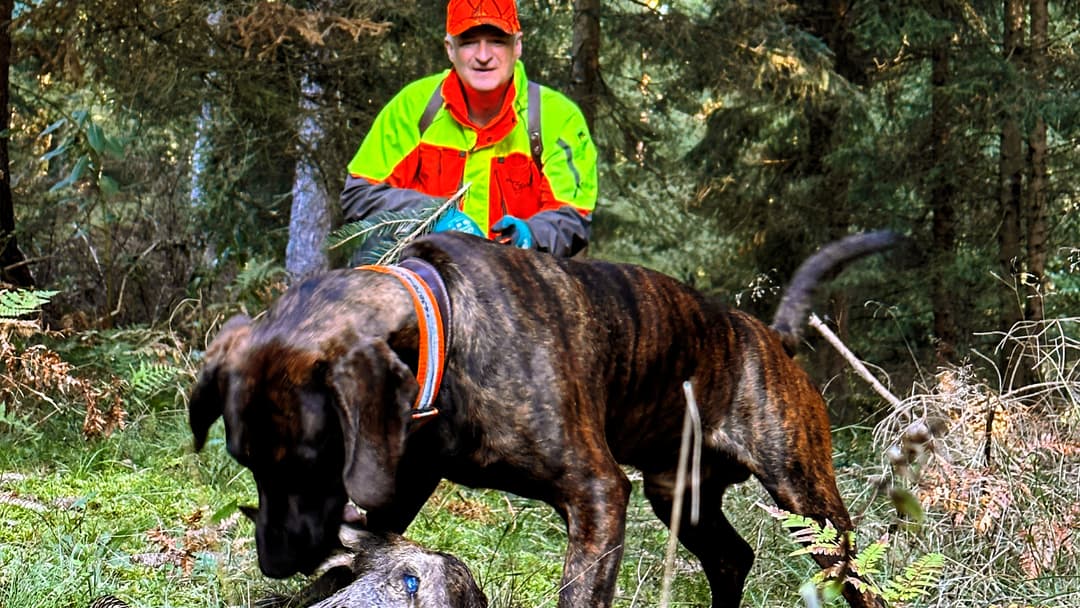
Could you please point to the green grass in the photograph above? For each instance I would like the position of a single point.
(85, 508)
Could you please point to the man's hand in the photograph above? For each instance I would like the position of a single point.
(514, 231)
(456, 220)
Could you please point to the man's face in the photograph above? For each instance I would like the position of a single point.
(484, 57)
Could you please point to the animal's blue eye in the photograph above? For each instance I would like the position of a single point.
(412, 584)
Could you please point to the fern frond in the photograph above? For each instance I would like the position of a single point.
(14, 304)
(383, 224)
(917, 579)
(255, 275)
(868, 561)
(794, 520)
(814, 538)
(149, 379)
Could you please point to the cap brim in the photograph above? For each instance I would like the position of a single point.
(467, 24)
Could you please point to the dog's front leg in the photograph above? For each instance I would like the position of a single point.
(595, 512)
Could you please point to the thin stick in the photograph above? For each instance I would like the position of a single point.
(691, 429)
(857, 365)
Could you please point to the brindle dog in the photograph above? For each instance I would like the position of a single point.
(557, 371)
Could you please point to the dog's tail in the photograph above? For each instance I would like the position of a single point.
(826, 263)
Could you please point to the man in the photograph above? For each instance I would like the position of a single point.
(470, 124)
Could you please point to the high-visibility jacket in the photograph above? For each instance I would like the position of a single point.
(397, 167)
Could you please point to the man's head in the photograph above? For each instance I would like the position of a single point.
(483, 41)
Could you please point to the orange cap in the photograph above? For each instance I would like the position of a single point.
(464, 14)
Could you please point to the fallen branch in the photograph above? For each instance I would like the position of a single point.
(857, 365)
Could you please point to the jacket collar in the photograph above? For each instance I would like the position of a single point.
(516, 101)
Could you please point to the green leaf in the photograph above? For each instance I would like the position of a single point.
(74, 176)
(95, 137)
(832, 590)
(82, 501)
(226, 510)
(906, 504)
(114, 147)
(54, 126)
(108, 185)
(57, 151)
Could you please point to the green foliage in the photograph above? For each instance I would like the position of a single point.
(256, 275)
(918, 579)
(149, 379)
(14, 304)
(868, 561)
(380, 239)
(865, 567)
(258, 283)
(11, 423)
(88, 142)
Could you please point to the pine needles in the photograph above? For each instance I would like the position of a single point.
(382, 238)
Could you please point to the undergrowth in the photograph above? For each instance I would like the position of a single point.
(998, 475)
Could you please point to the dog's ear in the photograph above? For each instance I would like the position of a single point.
(374, 393)
(250, 512)
(212, 387)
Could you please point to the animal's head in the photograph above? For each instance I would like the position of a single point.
(316, 422)
(393, 571)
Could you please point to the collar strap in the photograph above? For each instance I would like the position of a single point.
(430, 319)
(434, 281)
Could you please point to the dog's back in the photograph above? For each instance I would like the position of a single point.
(634, 333)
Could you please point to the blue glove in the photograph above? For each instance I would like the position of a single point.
(513, 231)
(454, 219)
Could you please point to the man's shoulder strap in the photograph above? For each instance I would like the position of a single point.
(536, 143)
(432, 108)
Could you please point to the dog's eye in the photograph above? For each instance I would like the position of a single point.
(412, 584)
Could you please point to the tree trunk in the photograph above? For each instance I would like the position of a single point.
(942, 204)
(309, 219)
(1010, 177)
(13, 268)
(1036, 199)
(585, 81)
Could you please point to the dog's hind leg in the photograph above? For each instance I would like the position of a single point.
(725, 557)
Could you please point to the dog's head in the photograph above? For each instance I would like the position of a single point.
(316, 422)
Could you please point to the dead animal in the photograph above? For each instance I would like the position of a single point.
(392, 571)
